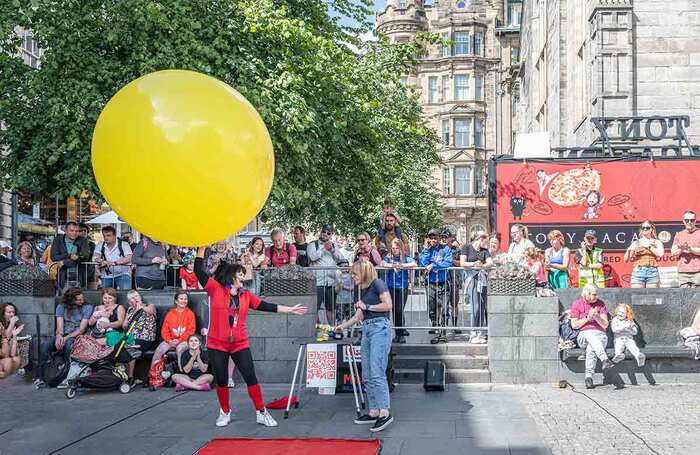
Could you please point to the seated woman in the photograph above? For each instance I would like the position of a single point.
(108, 316)
(193, 364)
(178, 326)
(590, 316)
(145, 329)
(10, 360)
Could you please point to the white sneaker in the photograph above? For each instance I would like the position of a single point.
(264, 418)
(231, 384)
(618, 358)
(63, 385)
(641, 359)
(223, 419)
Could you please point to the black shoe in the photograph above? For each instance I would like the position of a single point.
(366, 419)
(381, 423)
(435, 340)
(432, 331)
(589, 383)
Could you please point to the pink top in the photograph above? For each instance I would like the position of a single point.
(580, 308)
(538, 269)
(688, 262)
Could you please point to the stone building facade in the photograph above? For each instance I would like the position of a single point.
(607, 58)
(467, 89)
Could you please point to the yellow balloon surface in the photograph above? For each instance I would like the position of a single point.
(182, 157)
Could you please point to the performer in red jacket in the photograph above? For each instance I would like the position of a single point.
(227, 336)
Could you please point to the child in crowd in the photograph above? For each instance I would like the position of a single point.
(193, 364)
(624, 329)
(534, 263)
(187, 276)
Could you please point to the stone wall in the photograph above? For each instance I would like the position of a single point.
(273, 337)
(523, 336)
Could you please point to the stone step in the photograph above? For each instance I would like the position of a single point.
(420, 349)
(478, 362)
(454, 376)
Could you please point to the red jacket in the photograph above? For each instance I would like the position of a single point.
(220, 331)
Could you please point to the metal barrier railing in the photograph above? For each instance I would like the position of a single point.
(453, 298)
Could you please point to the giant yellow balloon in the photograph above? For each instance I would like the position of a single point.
(182, 157)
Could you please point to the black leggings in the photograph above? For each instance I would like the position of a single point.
(398, 298)
(244, 362)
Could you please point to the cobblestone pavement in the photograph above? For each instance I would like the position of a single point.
(667, 417)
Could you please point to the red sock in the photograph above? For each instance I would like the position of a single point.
(222, 395)
(255, 394)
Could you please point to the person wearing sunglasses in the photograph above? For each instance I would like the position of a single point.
(325, 255)
(645, 252)
(590, 261)
(686, 247)
(365, 250)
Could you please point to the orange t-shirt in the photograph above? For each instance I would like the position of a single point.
(178, 325)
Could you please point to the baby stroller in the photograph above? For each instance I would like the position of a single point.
(107, 373)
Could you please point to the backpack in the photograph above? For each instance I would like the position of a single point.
(55, 369)
(566, 332)
(104, 378)
(155, 373)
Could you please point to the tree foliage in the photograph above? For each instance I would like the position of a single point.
(346, 133)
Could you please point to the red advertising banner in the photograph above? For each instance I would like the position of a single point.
(611, 196)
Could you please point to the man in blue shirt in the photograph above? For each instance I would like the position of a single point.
(436, 259)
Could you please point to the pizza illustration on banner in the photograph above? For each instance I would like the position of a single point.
(571, 187)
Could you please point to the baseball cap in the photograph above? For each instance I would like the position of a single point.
(433, 232)
(589, 233)
(327, 227)
(5, 244)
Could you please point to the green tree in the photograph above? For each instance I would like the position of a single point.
(346, 133)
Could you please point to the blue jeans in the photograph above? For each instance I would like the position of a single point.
(121, 282)
(376, 342)
(478, 304)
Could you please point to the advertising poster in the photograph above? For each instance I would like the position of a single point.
(611, 196)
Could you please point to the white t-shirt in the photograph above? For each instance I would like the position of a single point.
(516, 251)
(112, 254)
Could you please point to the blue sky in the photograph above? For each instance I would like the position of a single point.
(379, 5)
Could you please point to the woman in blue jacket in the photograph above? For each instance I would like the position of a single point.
(397, 281)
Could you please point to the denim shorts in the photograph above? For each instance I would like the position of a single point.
(648, 275)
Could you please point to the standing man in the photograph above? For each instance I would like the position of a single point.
(686, 247)
(590, 262)
(150, 260)
(113, 257)
(69, 250)
(90, 278)
(300, 244)
(5, 260)
(365, 250)
(436, 258)
(281, 252)
(325, 253)
(390, 232)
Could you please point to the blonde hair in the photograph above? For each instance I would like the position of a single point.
(653, 228)
(365, 271)
(397, 241)
(628, 310)
(532, 253)
(555, 234)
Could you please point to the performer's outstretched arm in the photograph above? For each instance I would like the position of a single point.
(199, 269)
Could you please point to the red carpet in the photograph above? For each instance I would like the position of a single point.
(291, 446)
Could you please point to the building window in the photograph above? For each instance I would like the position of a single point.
(463, 181)
(446, 131)
(445, 181)
(446, 44)
(515, 11)
(479, 180)
(478, 41)
(445, 89)
(461, 87)
(514, 55)
(478, 87)
(462, 132)
(402, 3)
(478, 133)
(461, 43)
(432, 89)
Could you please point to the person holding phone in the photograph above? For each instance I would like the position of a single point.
(686, 247)
(10, 328)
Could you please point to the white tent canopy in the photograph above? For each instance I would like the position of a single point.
(110, 217)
